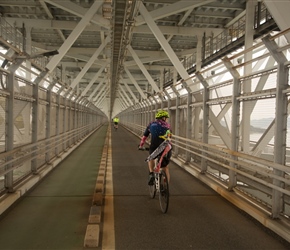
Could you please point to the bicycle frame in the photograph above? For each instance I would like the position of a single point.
(161, 179)
(167, 148)
(165, 151)
(158, 168)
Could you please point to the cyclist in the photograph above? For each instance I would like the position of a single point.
(116, 121)
(157, 129)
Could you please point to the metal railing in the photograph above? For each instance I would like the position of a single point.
(17, 162)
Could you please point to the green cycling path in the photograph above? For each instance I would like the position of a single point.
(54, 215)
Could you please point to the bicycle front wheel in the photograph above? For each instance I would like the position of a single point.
(152, 190)
(164, 192)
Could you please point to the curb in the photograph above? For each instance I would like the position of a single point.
(92, 236)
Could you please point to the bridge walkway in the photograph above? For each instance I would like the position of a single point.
(54, 215)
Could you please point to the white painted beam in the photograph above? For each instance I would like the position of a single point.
(135, 83)
(89, 63)
(165, 45)
(143, 69)
(96, 76)
(73, 36)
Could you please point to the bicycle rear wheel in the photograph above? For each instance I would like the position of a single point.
(164, 192)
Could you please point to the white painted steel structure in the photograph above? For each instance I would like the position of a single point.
(220, 67)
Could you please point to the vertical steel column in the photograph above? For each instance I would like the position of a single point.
(48, 124)
(85, 119)
(148, 115)
(35, 119)
(196, 125)
(28, 48)
(155, 105)
(161, 89)
(69, 122)
(177, 124)
(280, 121)
(74, 118)
(137, 116)
(57, 132)
(140, 115)
(246, 110)
(144, 115)
(199, 52)
(235, 120)
(149, 110)
(65, 122)
(9, 125)
(76, 121)
(168, 102)
(188, 125)
(79, 120)
(205, 120)
(177, 113)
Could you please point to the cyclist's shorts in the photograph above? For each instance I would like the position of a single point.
(153, 148)
(116, 123)
(166, 159)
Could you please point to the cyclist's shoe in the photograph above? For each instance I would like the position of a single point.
(151, 179)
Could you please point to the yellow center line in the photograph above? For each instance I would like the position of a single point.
(108, 240)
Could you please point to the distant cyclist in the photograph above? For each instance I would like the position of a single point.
(116, 122)
(158, 129)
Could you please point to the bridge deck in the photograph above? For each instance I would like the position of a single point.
(54, 215)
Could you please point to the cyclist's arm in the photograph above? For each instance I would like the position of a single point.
(142, 142)
(145, 136)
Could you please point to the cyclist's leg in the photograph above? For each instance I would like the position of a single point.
(166, 170)
(151, 165)
(151, 174)
(166, 155)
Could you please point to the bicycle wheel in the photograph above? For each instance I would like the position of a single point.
(164, 192)
(152, 190)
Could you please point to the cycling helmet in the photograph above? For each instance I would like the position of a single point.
(161, 113)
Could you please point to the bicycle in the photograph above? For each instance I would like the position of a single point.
(160, 184)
